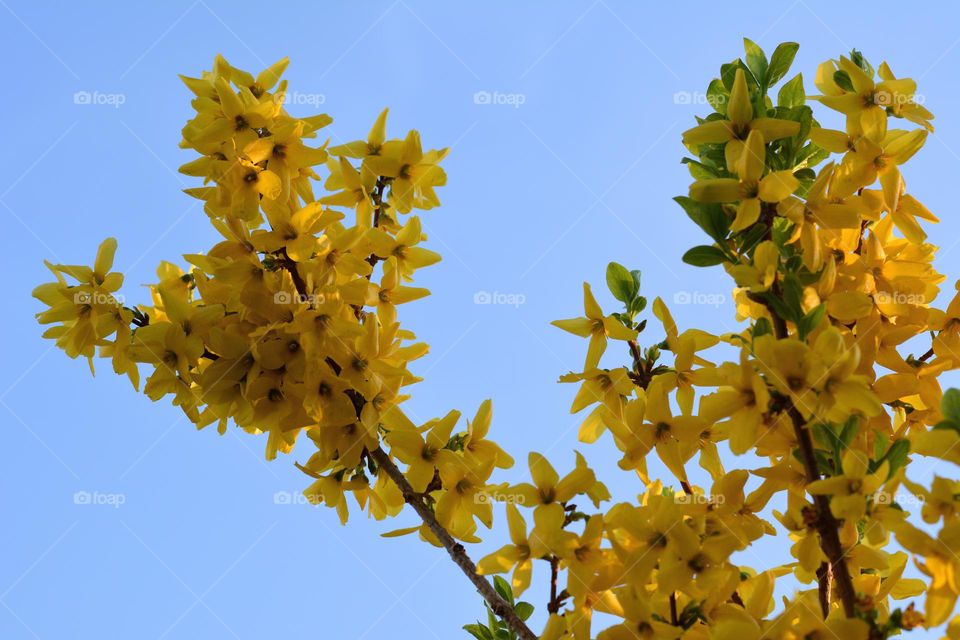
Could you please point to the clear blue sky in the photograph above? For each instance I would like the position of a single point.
(541, 196)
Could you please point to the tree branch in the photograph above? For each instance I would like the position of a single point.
(457, 553)
(827, 525)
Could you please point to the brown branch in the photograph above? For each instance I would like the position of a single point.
(827, 526)
(674, 618)
(556, 598)
(377, 197)
(458, 554)
(291, 266)
(824, 578)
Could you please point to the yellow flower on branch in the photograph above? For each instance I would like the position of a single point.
(751, 188)
(735, 131)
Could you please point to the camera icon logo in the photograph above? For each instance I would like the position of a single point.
(482, 97)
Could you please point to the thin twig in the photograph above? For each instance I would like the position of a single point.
(458, 554)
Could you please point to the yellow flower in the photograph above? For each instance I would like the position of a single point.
(761, 274)
(515, 555)
(600, 385)
(849, 491)
(88, 310)
(865, 106)
(413, 174)
(548, 487)
(940, 564)
(740, 124)
(675, 438)
(820, 209)
(285, 153)
(478, 450)
(369, 147)
(751, 188)
(420, 454)
(743, 397)
(596, 326)
(355, 188)
(639, 619)
(871, 160)
(463, 497)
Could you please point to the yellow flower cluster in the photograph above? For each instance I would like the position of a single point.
(835, 278)
(289, 323)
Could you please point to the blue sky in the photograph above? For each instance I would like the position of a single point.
(569, 164)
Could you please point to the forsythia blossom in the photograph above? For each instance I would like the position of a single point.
(289, 326)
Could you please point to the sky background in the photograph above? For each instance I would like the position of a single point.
(571, 164)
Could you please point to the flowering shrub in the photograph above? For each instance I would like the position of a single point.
(289, 327)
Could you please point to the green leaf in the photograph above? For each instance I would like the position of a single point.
(950, 405)
(857, 58)
(493, 622)
(811, 320)
(762, 327)
(896, 457)
(792, 94)
(503, 588)
(709, 217)
(842, 78)
(823, 434)
(524, 610)
(728, 72)
(718, 96)
(756, 61)
(699, 171)
(637, 305)
(478, 631)
(793, 296)
(823, 462)
(704, 256)
(880, 442)
(779, 306)
(621, 283)
(780, 61)
(749, 239)
(849, 431)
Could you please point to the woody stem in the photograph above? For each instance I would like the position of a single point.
(827, 525)
(458, 554)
